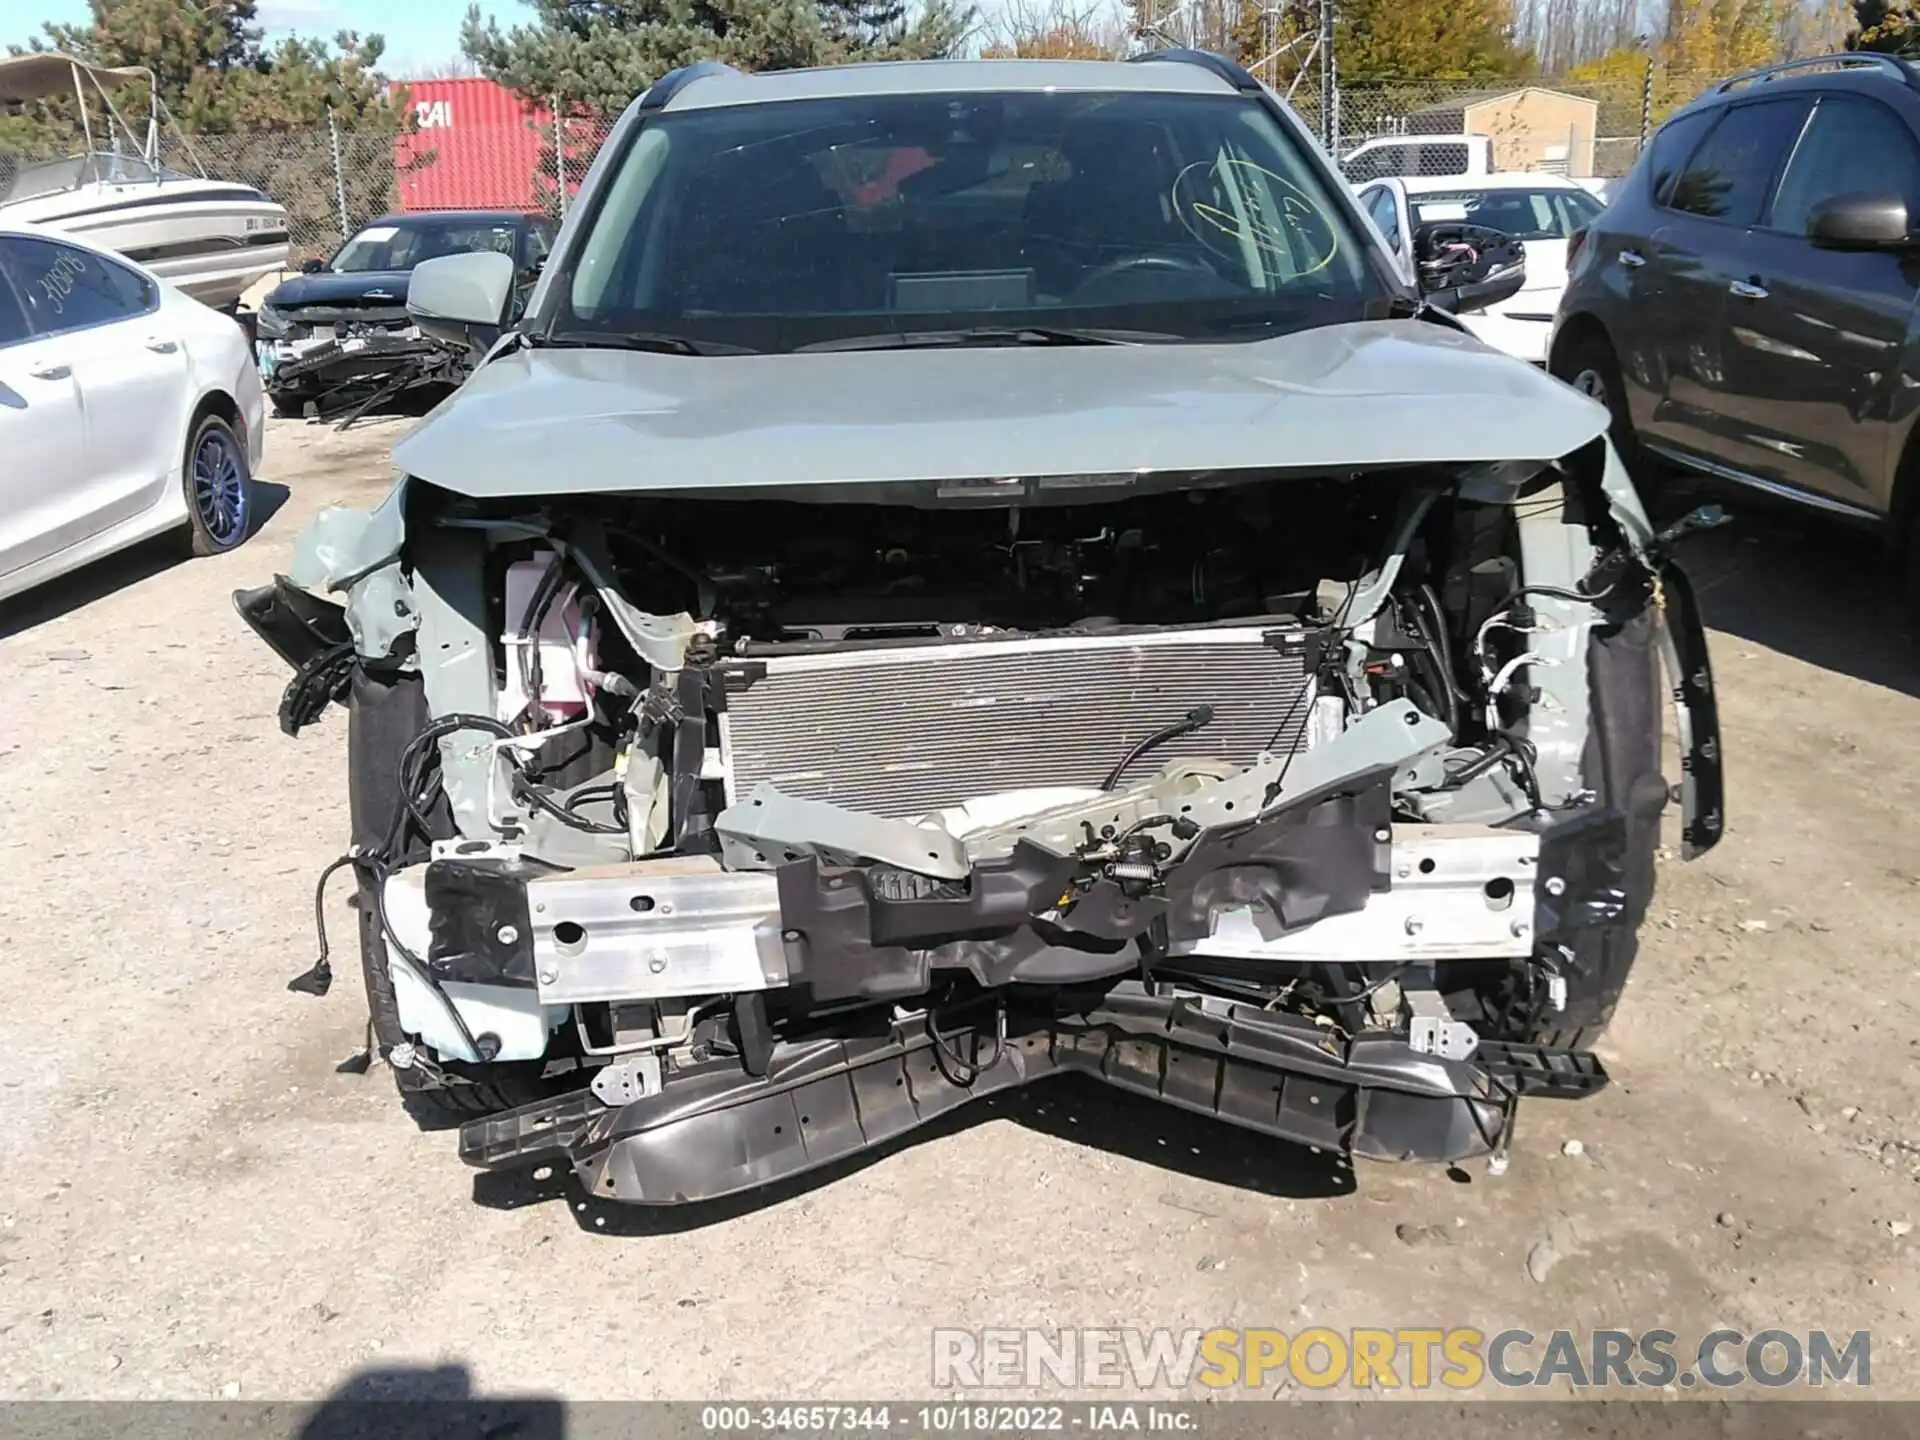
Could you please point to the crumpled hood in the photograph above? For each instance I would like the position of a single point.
(547, 422)
(329, 287)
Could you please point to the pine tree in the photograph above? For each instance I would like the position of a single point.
(248, 112)
(594, 56)
(214, 75)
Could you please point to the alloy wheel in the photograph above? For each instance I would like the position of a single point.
(220, 487)
(1591, 383)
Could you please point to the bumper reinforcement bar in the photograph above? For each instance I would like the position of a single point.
(713, 1130)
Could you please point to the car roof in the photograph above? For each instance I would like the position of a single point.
(455, 217)
(1859, 73)
(941, 77)
(1505, 180)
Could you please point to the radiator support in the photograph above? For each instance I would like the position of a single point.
(903, 730)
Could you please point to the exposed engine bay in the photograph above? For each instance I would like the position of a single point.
(783, 572)
(720, 802)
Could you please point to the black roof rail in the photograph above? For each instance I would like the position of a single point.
(1891, 65)
(1235, 75)
(671, 83)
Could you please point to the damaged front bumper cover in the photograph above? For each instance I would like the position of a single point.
(353, 374)
(713, 1130)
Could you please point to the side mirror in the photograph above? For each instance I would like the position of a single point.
(1462, 268)
(1860, 221)
(311, 266)
(462, 299)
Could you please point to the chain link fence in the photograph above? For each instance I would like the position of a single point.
(333, 180)
(1569, 126)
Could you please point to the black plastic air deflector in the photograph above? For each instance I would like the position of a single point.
(714, 1130)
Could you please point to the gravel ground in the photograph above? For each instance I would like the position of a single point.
(198, 1203)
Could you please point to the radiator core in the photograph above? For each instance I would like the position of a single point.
(904, 730)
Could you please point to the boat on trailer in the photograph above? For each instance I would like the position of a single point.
(211, 238)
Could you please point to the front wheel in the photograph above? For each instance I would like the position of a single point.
(1588, 364)
(219, 487)
(1910, 571)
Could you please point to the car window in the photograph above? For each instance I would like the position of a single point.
(1673, 145)
(13, 319)
(1543, 214)
(66, 288)
(1849, 147)
(1415, 157)
(539, 243)
(1729, 176)
(791, 223)
(1439, 160)
(1374, 164)
(403, 245)
(1385, 214)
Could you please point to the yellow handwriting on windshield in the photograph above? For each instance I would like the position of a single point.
(1250, 207)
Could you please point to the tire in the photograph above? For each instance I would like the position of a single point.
(288, 405)
(1908, 563)
(1622, 766)
(381, 718)
(1588, 364)
(219, 486)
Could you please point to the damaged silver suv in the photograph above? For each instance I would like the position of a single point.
(970, 571)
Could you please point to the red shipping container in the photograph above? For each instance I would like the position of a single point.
(476, 146)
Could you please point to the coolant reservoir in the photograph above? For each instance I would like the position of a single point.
(565, 642)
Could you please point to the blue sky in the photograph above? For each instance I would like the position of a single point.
(419, 32)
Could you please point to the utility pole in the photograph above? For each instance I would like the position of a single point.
(1646, 102)
(339, 175)
(1329, 127)
(560, 155)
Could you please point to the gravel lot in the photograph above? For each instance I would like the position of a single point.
(198, 1203)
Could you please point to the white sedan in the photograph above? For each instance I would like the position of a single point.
(1540, 211)
(126, 410)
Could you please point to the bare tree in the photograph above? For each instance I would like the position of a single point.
(459, 67)
(1201, 24)
(1564, 34)
(1814, 27)
(1055, 30)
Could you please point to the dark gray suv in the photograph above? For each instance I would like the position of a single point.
(1745, 307)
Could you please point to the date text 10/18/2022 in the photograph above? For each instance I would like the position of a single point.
(959, 1418)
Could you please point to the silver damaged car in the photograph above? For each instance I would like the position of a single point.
(965, 572)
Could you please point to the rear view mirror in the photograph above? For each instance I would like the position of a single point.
(1463, 268)
(462, 299)
(1860, 221)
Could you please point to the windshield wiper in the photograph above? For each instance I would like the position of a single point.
(1273, 321)
(653, 341)
(986, 335)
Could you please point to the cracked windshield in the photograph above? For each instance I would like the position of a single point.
(820, 222)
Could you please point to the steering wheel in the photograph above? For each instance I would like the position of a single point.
(1112, 268)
